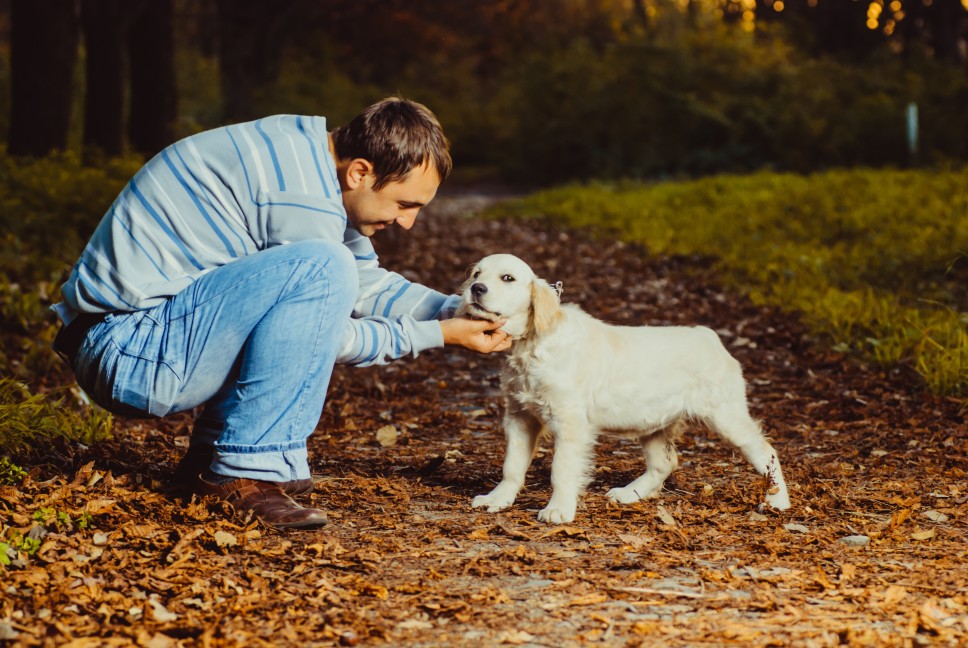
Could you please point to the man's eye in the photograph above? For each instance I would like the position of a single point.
(507, 278)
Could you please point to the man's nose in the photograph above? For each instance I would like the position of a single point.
(478, 289)
(407, 221)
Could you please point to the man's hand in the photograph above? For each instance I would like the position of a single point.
(477, 335)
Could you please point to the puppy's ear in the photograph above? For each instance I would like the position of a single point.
(545, 309)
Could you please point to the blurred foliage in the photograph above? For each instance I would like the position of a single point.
(877, 261)
(32, 422)
(588, 92)
(546, 91)
(48, 209)
(711, 101)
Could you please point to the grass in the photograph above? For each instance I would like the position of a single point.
(876, 261)
(34, 421)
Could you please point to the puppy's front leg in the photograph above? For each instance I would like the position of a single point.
(569, 470)
(521, 430)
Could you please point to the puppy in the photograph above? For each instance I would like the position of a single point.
(577, 377)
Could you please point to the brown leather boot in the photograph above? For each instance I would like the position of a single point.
(266, 499)
(184, 480)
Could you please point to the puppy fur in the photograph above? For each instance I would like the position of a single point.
(575, 377)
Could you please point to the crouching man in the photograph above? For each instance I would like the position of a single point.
(235, 269)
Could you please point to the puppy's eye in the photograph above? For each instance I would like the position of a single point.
(507, 278)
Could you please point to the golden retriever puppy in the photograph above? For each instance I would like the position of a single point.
(576, 377)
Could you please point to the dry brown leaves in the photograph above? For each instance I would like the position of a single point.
(872, 552)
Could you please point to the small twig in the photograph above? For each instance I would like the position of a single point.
(658, 592)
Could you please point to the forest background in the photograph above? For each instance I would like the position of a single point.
(541, 91)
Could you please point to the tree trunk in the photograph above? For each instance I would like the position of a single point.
(104, 23)
(151, 61)
(946, 19)
(251, 37)
(43, 53)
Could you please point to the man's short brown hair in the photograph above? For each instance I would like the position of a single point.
(395, 135)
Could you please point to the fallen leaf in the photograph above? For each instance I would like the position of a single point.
(636, 541)
(589, 599)
(665, 517)
(565, 530)
(796, 528)
(515, 637)
(855, 540)
(225, 539)
(387, 436)
(160, 613)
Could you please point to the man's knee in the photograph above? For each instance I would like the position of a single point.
(329, 266)
(333, 257)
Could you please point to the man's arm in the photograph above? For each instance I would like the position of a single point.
(394, 317)
(371, 341)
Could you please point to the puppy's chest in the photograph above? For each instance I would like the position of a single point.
(524, 382)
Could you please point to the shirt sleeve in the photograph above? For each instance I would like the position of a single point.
(369, 341)
(387, 294)
(393, 317)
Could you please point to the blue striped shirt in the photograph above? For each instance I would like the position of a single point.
(226, 193)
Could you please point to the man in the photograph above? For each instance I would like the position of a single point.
(234, 270)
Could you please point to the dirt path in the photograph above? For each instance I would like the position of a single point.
(406, 561)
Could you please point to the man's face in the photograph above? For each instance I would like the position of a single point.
(398, 202)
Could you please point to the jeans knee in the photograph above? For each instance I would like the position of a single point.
(328, 266)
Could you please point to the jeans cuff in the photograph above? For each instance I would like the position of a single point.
(273, 465)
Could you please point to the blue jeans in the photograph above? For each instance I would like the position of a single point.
(254, 340)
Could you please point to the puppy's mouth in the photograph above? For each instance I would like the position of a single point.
(474, 309)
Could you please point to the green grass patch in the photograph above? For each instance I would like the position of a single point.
(876, 261)
(48, 209)
(33, 421)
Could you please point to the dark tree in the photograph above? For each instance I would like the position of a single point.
(252, 34)
(43, 53)
(946, 21)
(105, 24)
(151, 62)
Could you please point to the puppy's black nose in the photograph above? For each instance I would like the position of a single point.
(478, 289)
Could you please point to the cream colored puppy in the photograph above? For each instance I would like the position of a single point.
(576, 377)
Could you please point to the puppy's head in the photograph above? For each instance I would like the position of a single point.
(504, 286)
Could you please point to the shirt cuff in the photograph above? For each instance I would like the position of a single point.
(426, 335)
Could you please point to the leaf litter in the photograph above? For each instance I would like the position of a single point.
(873, 552)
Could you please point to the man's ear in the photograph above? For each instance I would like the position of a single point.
(545, 309)
(357, 171)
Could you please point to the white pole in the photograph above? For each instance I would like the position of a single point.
(912, 130)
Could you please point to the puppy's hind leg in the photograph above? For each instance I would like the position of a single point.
(660, 460)
(733, 422)
(521, 430)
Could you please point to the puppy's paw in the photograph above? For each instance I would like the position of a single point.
(624, 495)
(492, 502)
(779, 500)
(556, 515)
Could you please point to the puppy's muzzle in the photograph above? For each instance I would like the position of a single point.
(478, 290)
